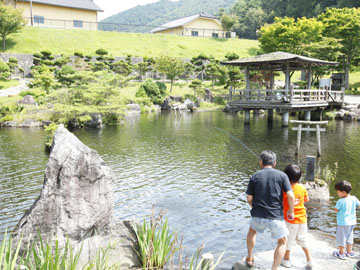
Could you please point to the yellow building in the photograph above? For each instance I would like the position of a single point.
(79, 14)
(199, 25)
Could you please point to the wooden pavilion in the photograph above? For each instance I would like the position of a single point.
(282, 100)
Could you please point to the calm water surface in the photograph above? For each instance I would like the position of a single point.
(185, 166)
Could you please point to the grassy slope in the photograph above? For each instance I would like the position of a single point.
(60, 41)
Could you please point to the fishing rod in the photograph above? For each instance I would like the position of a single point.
(247, 148)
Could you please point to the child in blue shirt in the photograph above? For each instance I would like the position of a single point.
(346, 219)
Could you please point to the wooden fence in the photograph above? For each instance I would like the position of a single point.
(291, 95)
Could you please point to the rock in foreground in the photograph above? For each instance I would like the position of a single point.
(77, 200)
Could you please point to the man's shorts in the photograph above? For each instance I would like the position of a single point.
(276, 227)
(344, 235)
(298, 234)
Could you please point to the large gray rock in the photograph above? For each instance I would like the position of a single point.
(28, 100)
(318, 191)
(77, 202)
(208, 97)
(30, 123)
(77, 196)
(95, 122)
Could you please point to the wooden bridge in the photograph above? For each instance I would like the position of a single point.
(282, 100)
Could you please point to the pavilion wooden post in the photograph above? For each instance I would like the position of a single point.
(287, 79)
(318, 140)
(271, 85)
(247, 78)
(309, 75)
(291, 93)
(298, 140)
(308, 128)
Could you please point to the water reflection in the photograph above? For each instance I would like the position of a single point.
(184, 165)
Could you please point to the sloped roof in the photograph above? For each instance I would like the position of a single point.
(78, 4)
(183, 21)
(277, 60)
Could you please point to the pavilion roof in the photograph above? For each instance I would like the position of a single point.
(277, 61)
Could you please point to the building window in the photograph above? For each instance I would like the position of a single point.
(39, 19)
(215, 35)
(194, 33)
(228, 35)
(78, 24)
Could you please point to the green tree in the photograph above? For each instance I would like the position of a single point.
(196, 85)
(228, 21)
(213, 72)
(344, 24)
(235, 75)
(172, 67)
(288, 35)
(11, 21)
(200, 62)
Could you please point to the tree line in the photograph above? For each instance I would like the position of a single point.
(252, 14)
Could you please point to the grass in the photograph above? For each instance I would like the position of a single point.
(67, 41)
(4, 84)
(355, 79)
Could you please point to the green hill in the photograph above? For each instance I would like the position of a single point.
(144, 18)
(61, 41)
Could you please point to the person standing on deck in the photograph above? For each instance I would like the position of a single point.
(265, 197)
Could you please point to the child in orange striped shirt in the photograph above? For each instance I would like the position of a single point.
(298, 226)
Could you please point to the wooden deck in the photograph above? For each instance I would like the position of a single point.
(284, 100)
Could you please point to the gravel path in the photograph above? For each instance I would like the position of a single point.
(16, 89)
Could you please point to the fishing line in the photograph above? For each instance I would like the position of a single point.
(252, 152)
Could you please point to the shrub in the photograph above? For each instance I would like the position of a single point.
(37, 55)
(46, 54)
(220, 101)
(101, 52)
(162, 88)
(35, 92)
(151, 90)
(64, 75)
(49, 134)
(79, 54)
(62, 60)
(4, 70)
(12, 59)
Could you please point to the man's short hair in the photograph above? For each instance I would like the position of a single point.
(293, 171)
(343, 186)
(268, 158)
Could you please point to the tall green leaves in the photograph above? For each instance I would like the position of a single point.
(156, 243)
(8, 256)
(42, 255)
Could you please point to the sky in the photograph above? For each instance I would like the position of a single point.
(111, 7)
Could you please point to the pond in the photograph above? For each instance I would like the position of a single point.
(185, 166)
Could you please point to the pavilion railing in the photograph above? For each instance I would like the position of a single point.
(282, 95)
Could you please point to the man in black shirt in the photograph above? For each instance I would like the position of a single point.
(265, 196)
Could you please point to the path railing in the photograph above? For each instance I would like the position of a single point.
(282, 95)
